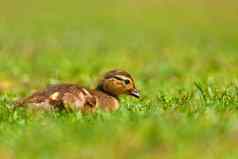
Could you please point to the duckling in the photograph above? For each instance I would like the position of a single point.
(74, 97)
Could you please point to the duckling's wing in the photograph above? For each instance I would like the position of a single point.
(69, 96)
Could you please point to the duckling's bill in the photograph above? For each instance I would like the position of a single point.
(135, 93)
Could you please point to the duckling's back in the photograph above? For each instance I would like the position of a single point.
(68, 96)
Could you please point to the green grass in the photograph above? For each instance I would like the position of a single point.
(183, 56)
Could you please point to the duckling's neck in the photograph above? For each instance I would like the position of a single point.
(105, 100)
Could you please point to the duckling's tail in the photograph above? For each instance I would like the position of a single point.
(19, 103)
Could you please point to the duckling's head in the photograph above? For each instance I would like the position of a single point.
(118, 82)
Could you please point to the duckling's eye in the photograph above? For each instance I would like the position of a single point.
(126, 81)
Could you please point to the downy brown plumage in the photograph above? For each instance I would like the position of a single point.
(73, 97)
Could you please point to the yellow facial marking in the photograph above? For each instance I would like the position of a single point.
(121, 77)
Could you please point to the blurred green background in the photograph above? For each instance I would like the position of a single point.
(183, 55)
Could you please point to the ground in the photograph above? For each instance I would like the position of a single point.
(182, 54)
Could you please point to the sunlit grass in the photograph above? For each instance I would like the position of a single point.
(183, 55)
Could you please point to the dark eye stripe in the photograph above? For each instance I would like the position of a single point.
(126, 81)
(118, 78)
